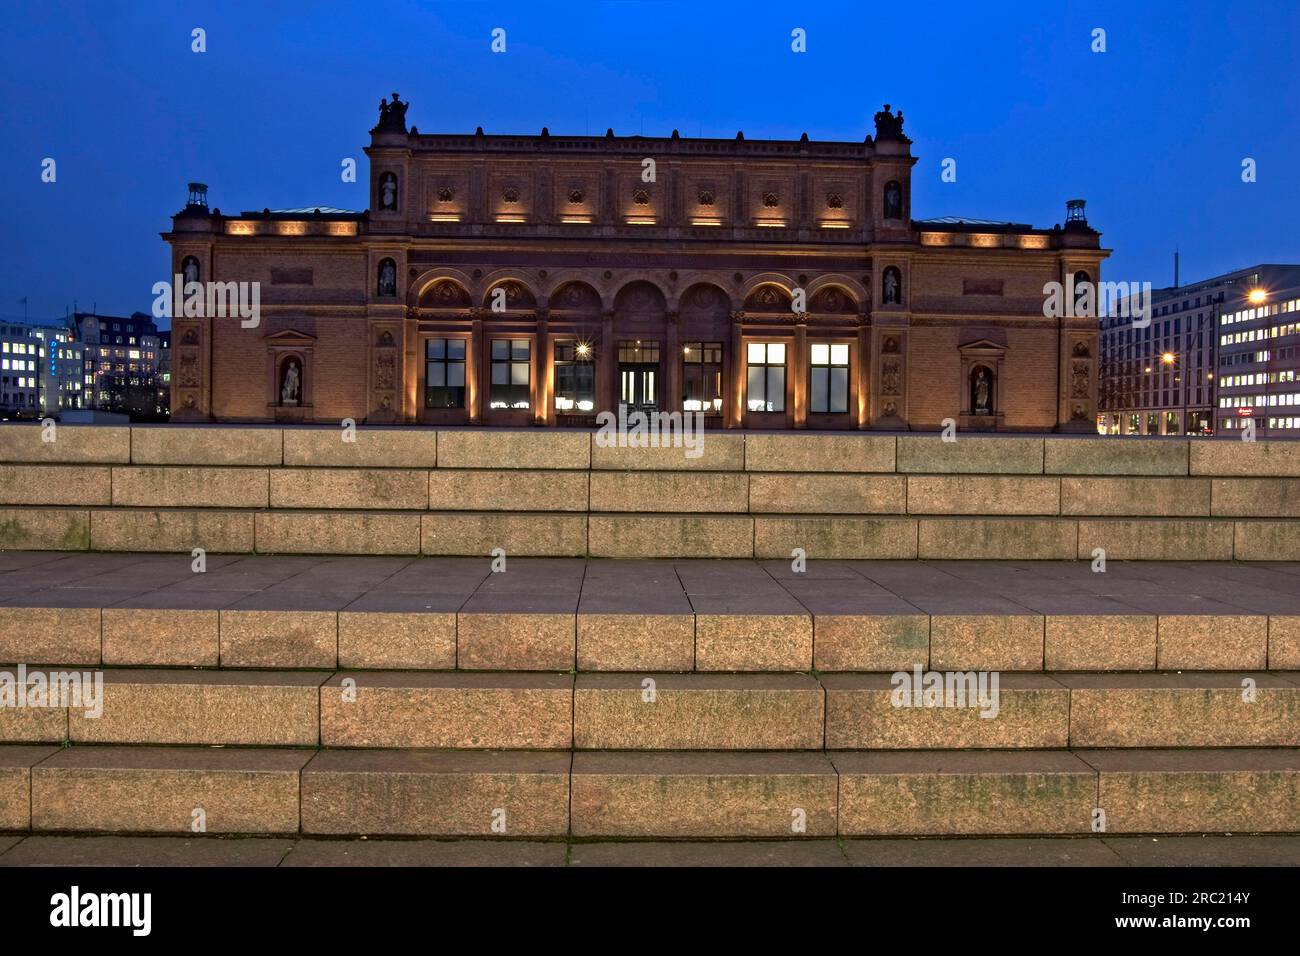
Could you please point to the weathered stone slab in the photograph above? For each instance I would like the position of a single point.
(175, 487)
(501, 448)
(373, 447)
(205, 445)
(71, 444)
(1115, 455)
(828, 453)
(55, 485)
(970, 454)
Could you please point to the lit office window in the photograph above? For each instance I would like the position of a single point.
(575, 377)
(828, 378)
(765, 380)
(702, 387)
(444, 373)
(510, 373)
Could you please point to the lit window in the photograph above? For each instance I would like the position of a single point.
(510, 373)
(703, 385)
(444, 373)
(766, 377)
(829, 378)
(575, 377)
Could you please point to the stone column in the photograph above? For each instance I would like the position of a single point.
(673, 367)
(797, 363)
(474, 366)
(607, 365)
(735, 411)
(862, 372)
(542, 371)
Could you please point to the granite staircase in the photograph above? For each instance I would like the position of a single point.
(339, 657)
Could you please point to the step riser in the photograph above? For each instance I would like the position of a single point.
(328, 640)
(511, 796)
(669, 712)
(550, 493)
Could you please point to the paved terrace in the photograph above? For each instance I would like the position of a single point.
(1109, 851)
(711, 615)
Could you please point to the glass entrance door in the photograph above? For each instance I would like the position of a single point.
(638, 375)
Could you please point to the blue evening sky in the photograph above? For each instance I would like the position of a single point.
(1152, 132)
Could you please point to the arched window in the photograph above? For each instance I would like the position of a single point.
(893, 200)
(891, 287)
(983, 384)
(387, 286)
(388, 192)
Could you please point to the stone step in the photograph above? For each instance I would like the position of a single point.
(702, 795)
(1100, 850)
(402, 612)
(819, 535)
(460, 710)
(422, 793)
(168, 790)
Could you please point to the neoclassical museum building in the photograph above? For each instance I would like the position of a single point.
(515, 280)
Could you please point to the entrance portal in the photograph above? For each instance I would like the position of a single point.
(638, 375)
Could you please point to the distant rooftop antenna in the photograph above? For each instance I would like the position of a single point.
(198, 197)
(1175, 267)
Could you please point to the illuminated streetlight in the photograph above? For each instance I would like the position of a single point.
(1257, 296)
(1167, 358)
(583, 349)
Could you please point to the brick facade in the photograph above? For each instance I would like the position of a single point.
(569, 251)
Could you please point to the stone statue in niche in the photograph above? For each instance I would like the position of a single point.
(190, 269)
(290, 386)
(891, 287)
(387, 278)
(388, 192)
(981, 401)
(893, 201)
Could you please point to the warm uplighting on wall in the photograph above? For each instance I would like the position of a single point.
(706, 222)
(510, 219)
(834, 224)
(984, 241)
(444, 218)
(770, 223)
(1033, 242)
(641, 221)
(936, 239)
(343, 229)
(293, 229)
(576, 220)
(240, 228)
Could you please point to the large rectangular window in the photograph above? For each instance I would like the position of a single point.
(765, 381)
(444, 373)
(828, 386)
(510, 373)
(575, 378)
(702, 382)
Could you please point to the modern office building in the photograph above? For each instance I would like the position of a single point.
(509, 280)
(1259, 354)
(1163, 378)
(21, 358)
(121, 358)
(61, 363)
